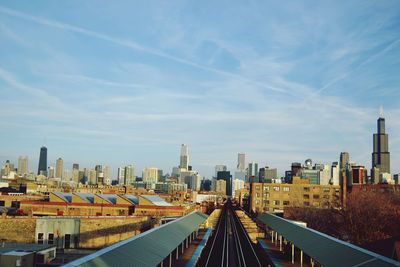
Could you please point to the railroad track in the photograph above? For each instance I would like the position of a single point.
(230, 244)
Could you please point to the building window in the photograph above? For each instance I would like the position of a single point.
(257, 194)
(266, 188)
(257, 202)
(306, 189)
(306, 203)
(286, 189)
(50, 240)
(306, 196)
(276, 188)
(67, 241)
(40, 238)
(257, 187)
(316, 196)
(266, 195)
(276, 202)
(326, 190)
(286, 202)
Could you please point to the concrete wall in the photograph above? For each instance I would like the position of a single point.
(94, 232)
(104, 231)
(59, 227)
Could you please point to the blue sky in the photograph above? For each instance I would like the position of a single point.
(105, 82)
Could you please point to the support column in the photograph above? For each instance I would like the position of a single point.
(280, 243)
(190, 238)
(276, 238)
(177, 252)
(293, 253)
(170, 259)
(312, 262)
(183, 246)
(272, 236)
(187, 242)
(301, 258)
(162, 263)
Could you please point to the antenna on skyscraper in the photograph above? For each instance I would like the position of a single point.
(381, 112)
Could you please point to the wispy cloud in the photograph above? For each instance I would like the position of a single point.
(127, 43)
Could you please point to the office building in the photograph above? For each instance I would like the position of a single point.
(252, 169)
(227, 177)
(121, 175)
(380, 154)
(129, 174)
(324, 174)
(335, 173)
(266, 175)
(375, 175)
(240, 175)
(22, 166)
(42, 168)
(344, 167)
(184, 158)
(50, 172)
(220, 187)
(358, 174)
(150, 174)
(241, 165)
(220, 168)
(107, 172)
(59, 168)
(312, 174)
(237, 185)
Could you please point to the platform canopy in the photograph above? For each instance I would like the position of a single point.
(327, 250)
(148, 248)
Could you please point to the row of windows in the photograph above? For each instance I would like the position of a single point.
(50, 239)
(287, 189)
(274, 202)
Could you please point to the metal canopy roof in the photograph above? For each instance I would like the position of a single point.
(325, 249)
(146, 249)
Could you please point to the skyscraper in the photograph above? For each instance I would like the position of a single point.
(121, 175)
(59, 168)
(150, 175)
(227, 177)
(241, 165)
(22, 165)
(343, 164)
(380, 154)
(42, 169)
(184, 159)
(220, 168)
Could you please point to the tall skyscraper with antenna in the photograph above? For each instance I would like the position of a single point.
(380, 154)
(42, 168)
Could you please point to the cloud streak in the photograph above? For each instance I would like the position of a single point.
(129, 44)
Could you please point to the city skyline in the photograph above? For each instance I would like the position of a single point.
(116, 92)
(184, 159)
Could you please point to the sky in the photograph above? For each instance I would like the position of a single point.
(127, 82)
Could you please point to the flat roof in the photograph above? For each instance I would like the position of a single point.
(148, 248)
(327, 250)
(20, 247)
